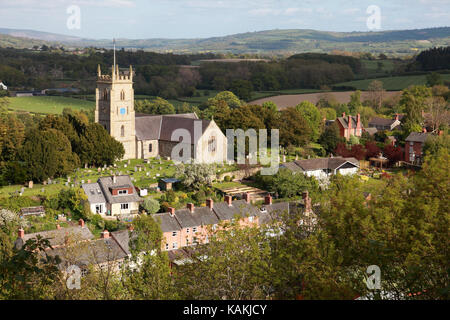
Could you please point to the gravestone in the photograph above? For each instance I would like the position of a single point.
(22, 190)
(44, 183)
(129, 161)
(99, 170)
(30, 184)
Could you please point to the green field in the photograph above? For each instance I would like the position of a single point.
(392, 83)
(48, 105)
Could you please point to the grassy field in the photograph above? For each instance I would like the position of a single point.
(47, 105)
(392, 83)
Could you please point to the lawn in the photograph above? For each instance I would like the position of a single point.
(392, 83)
(48, 104)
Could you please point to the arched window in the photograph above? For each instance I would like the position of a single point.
(212, 144)
(122, 131)
(122, 95)
(105, 94)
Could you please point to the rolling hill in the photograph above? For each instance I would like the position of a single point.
(270, 41)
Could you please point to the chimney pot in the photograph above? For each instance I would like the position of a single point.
(247, 197)
(396, 117)
(343, 114)
(228, 200)
(21, 233)
(81, 223)
(210, 203)
(114, 179)
(105, 234)
(424, 130)
(191, 207)
(268, 200)
(172, 211)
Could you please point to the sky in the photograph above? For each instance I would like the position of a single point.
(142, 19)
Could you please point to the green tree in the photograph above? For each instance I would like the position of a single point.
(151, 205)
(294, 130)
(330, 138)
(312, 116)
(413, 101)
(434, 79)
(47, 154)
(196, 176)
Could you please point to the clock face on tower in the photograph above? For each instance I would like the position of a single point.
(122, 111)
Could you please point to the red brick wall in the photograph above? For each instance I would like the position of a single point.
(115, 192)
(417, 147)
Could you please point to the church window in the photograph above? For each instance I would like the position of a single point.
(122, 131)
(150, 147)
(105, 94)
(212, 144)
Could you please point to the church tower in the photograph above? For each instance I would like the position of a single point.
(114, 108)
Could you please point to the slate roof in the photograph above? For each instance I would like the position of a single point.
(123, 238)
(344, 121)
(371, 131)
(201, 216)
(59, 237)
(161, 127)
(319, 164)
(93, 252)
(106, 183)
(238, 207)
(92, 192)
(167, 223)
(418, 137)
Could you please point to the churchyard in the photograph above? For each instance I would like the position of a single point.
(145, 174)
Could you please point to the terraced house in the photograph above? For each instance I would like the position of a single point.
(193, 225)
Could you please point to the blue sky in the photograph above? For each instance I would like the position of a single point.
(140, 19)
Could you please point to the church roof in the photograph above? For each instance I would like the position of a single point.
(161, 127)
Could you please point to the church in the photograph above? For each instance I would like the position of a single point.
(146, 136)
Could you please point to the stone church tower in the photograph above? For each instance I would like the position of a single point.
(114, 108)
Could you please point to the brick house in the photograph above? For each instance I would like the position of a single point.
(414, 146)
(350, 126)
(190, 226)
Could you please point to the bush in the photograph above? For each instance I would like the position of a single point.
(151, 205)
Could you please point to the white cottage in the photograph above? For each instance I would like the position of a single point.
(322, 168)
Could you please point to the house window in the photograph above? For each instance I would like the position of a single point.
(150, 147)
(167, 246)
(174, 234)
(194, 229)
(250, 219)
(99, 208)
(123, 192)
(122, 131)
(174, 245)
(187, 230)
(124, 206)
(212, 144)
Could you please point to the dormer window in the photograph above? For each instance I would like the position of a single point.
(122, 192)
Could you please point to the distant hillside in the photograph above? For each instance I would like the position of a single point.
(272, 41)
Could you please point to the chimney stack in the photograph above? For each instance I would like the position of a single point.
(268, 200)
(172, 211)
(105, 234)
(358, 120)
(210, 203)
(114, 178)
(441, 132)
(343, 114)
(191, 207)
(21, 233)
(307, 201)
(81, 223)
(228, 200)
(397, 117)
(247, 197)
